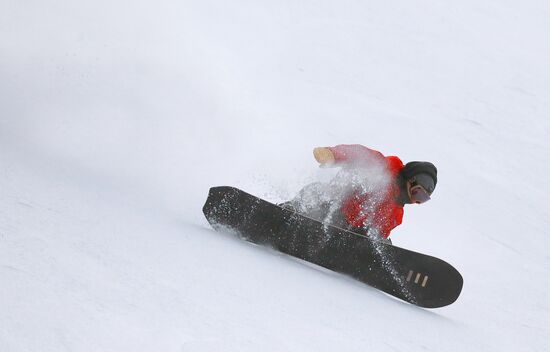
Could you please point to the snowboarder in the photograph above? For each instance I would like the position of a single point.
(369, 194)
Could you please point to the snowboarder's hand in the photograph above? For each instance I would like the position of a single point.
(323, 155)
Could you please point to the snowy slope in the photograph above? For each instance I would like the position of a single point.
(117, 116)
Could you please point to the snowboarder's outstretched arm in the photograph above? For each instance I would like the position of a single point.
(346, 153)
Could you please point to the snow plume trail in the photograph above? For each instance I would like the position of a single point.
(368, 180)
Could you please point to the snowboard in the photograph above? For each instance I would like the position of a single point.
(413, 277)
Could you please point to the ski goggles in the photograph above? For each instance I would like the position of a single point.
(419, 194)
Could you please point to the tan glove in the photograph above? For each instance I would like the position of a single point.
(323, 155)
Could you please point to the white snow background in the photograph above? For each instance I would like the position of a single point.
(117, 116)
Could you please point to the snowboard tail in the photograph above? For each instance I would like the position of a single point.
(416, 278)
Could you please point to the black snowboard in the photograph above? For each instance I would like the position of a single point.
(417, 278)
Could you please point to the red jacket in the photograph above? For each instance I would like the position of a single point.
(387, 213)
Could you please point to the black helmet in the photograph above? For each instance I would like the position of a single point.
(422, 173)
